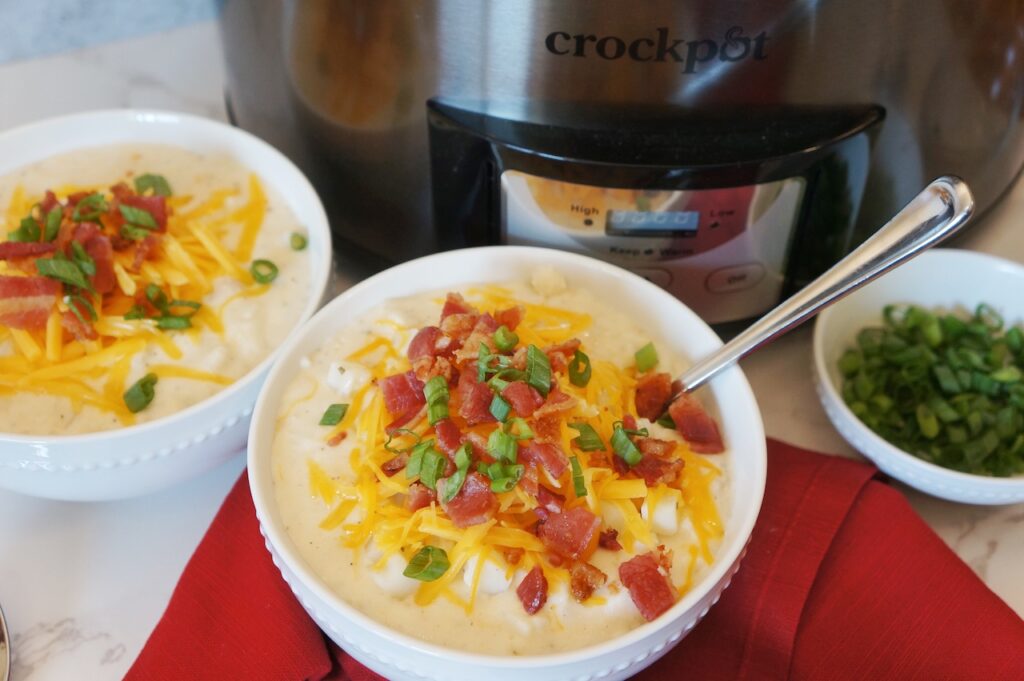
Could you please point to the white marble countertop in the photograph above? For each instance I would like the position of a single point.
(83, 584)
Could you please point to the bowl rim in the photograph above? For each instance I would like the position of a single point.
(281, 547)
(142, 119)
(830, 392)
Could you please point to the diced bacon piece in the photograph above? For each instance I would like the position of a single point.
(48, 203)
(102, 253)
(698, 429)
(571, 533)
(9, 250)
(548, 501)
(454, 303)
(609, 539)
(653, 392)
(143, 249)
(458, 326)
(482, 333)
(405, 419)
(449, 438)
(475, 399)
(545, 454)
(513, 555)
(628, 422)
(424, 343)
(651, 446)
(654, 470)
(25, 302)
(533, 590)
(403, 393)
(556, 402)
(524, 399)
(154, 205)
(85, 231)
(584, 579)
(479, 444)
(547, 428)
(74, 198)
(395, 464)
(511, 317)
(648, 587)
(474, 504)
(337, 439)
(419, 497)
(529, 482)
(75, 326)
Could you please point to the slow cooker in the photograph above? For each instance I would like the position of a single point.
(727, 151)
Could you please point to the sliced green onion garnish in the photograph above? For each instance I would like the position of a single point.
(579, 487)
(173, 323)
(82, 259)
(412, 468)
(502, 446)
(397, 433)
(89, 207)
(518, 428)
(298, 241)
(507, 477)
(500, 408)
(505, 339)
(665, 421)
(588, 439)
(142, 392)
(452, 485)
(157, 183)
(483, 357)
(53, 219)
(134, 233)
(138, 217)
(432, 467)
(333, 414)
(64, 271)
(538, 370)
(135, 312)
(624, 447)
(435, 391)
(579, 369)
(27, 231)
(646, 358)
(263, 271)
(428, 564)
(76, 303)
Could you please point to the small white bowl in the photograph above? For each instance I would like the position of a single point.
(401, 657)
(943, 278)
(143, 458)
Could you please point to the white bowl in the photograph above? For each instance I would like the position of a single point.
(150, 456)
(943, 278)
(398, 656)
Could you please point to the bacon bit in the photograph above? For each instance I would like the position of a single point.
(420, 496)
(154, 205)
(657, 466)
(653, 391)
(73, 325)
(48, 203)
(102, 253)
(454, 303)
(73, 199)
(482, 333)
(524, 399)
(548, 502)
(143, 249)
(475, 399)
(513, 555)
(86, 231)
(648, 587)
(25, 302)
(529, 481)
(337, 439)
(584, 579)
(426, 368)
(545, 454)
(424, 343)
(411, 416)
(479, 444)
(698, 429)
(609, 539)
(664, 557)
(474, 504)
(449, 438)
(628, 422)
(402, 393)
(533, 590)
(459, 326)
(394, 465)
(511, 317)
(9, 250)
(547, 428)
(571, 533)
(556, 403)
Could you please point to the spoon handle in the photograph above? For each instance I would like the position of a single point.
(932, 216)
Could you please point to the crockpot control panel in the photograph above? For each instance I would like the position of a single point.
(722, 251)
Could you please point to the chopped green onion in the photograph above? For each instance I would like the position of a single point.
(579, 487)
(432, 467)
(75, 302)
(298, 241)
(135, 312)
(395, 434)
(483, 359)
(157, 183)
(538, 370)
(412, 467)
(505, 339)
(624, 447)
(134, 233)
(518, 428)
(452, 485)
(333, 414)
(665, 421)
(436, 393)
(82, 259)
(428, 564)
(579, 369)
(27, 231)
(588, 439)
(646, 358)
(142, 392)
(173, 323)
(89, 207)
(502, 446)
(500, 408)
(139, 217)
(53, 219)
(263, 271)
(463, 455)
(64, 271)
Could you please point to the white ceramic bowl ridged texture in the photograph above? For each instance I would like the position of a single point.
(144, 458)
(399, 657)
(950, 279)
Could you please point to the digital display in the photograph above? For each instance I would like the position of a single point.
(674, 222)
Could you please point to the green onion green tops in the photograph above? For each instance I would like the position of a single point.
(624, 447)
(435, 391)
(505, 339)
(298, 241)
(579, 369)
(646, 358)
(428, 564)
(333, 415)
(263, 271)
(588, 439)
(538, 370)
(142, 392)
(152, 183)
(578, 484)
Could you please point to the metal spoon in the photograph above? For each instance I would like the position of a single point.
(935, 214)
(5, 649)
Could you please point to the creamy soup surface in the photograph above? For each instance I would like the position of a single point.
(490, 619)
(253, 324)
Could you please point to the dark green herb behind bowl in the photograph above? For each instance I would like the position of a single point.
(946, 388)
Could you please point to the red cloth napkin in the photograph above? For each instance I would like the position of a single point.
(842, 580)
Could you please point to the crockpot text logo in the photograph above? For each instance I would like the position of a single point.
(661, 47)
